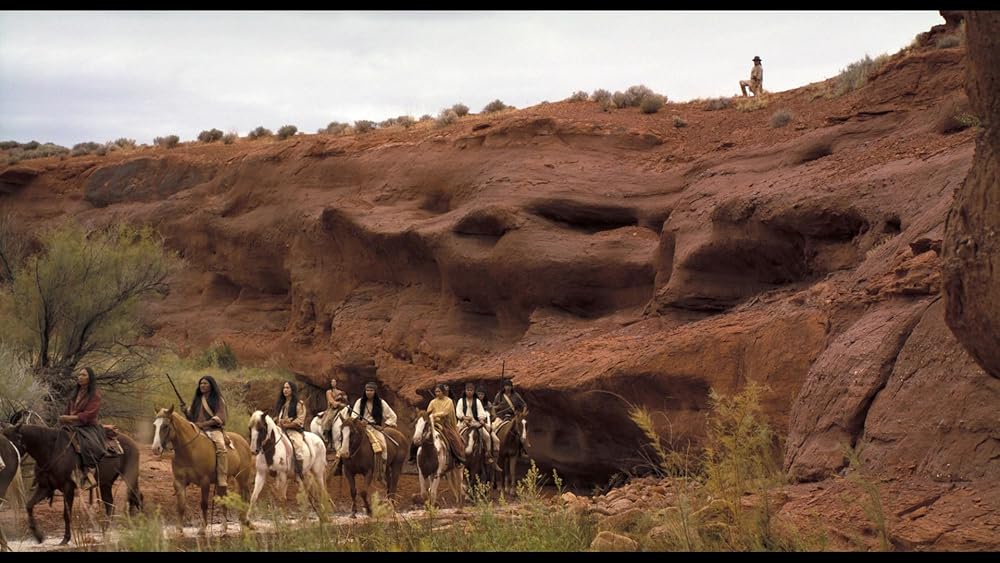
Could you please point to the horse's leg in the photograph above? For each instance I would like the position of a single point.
(68, 495)
(354, 492)
(107, 497)
(204, 508)
(258, 486)
(369, 477)
(181, 505)
(39, 494)
(435, 481)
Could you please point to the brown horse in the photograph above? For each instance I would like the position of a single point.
(10, 460)
(435, 461)
(513, 437)
(194, 462)
(361, 459)
(55, 460)
(479, 470)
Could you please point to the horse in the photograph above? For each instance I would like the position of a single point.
(10, 471)
(435, 460)
(55, 460)
(194, 462)
(513, 437)
(475, 459)
(273, 450)
(361, 459)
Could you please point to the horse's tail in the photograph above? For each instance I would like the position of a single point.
(129, 471)
(17, 494)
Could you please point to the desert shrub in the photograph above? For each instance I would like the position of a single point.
(218, 355)
(495, 106)
(286, 131)
(124, 143)
(426, 117)
(955, 116)
(635, 94)
(600, 96)
(259, 132)
(210, 135)
(751, 103)
(460, 109)
(364, 126)
(781, 118)
(405, 121)
(578, 96)
(679, 122)
(7, 145)
(335, 128)
(168, 142)
(715, 104)
(652, 103)
(857, 73)
(230, 138)
(446, 117)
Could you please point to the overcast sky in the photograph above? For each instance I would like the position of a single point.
(69, 77)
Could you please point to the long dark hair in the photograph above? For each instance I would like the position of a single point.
(293, 410)
(91, 384)
(475, 400)
(214, 396)
(376, 407)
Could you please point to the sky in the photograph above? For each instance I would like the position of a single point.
(71, 77)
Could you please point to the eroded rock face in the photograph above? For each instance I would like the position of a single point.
(971, 248)
(604, 259)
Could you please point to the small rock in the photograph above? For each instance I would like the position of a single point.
(608, 541)
(620, 505)
(625, 522)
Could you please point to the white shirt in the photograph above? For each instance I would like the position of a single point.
(388, 415)
(460, 411)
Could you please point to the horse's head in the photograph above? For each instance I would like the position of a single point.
(424, 429)
(162, 429)
(13, 433)
(260, 431)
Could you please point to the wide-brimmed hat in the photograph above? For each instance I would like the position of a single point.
(756, 59)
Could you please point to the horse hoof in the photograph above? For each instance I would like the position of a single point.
(65, 541)
(39, 537)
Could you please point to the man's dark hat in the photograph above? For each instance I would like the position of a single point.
(507, 381)
(756, 59)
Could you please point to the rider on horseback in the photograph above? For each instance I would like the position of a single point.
(88, 435)
(290, 416)
(208, 413)
(506, 403)
(474, 417)
(442, 411)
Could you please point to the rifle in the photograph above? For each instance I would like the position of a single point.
(179, 398)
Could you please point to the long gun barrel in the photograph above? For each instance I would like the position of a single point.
(178, 393)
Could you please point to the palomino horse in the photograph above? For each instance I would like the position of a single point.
(273, 449)
(361, 459)
(513, 436)
(194, 462)
(55, 460)
(435, 460)
(10, 466)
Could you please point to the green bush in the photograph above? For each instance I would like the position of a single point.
(578, 96)
(460, 109)
(857, 73)
(446, 117)
(218, 355)
(600, 96)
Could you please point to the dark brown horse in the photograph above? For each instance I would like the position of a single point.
(55, 460)
(513, 438)
(361, 460)
(475, 461)
(10, 459)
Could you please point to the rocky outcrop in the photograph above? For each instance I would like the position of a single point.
(971, 249)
